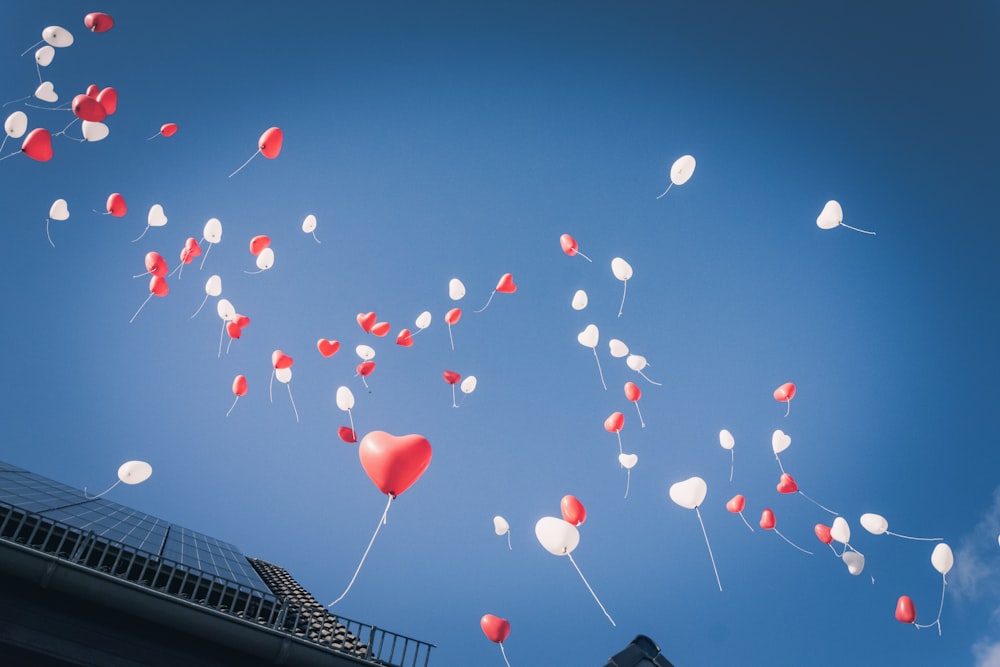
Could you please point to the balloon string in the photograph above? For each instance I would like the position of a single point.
(453, 403)
(504, 654)
(141, 235)
(47, 233)
(229, 345)
(270, 384)
(176, 269)
(509, 547)
(628, 480)
(599, 369)
(780, 467)
(63, 131)
(32, 46)
(141, 307)
(101, 493)
(351, 417)
(203, 302)
(710, 556)
(253, 273)
(363, 557)
(314, 237)
(233, 405)
(570, 556)
(140, 275)
(817, 504)
(488, 301)
(294, 409)
(365, 383)
(834, 550)
(153, 137)
(11, 155)
(619, 434)
(732, 468)
(20, 99)
(205, 256)
(940, 609)
(244, 164)
(745, 521)
(920, 539)
(223, 331)
(624, 290)
(4, 142)
(584, 256)
(858, 230)
(788, 407)
(668, 189)
(640, 417)
(39, 70)
(658, 384)
(450, 338)
(792, 543)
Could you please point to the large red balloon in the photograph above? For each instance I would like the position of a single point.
(392, 462)
(93, 91)
(906, 612)
(767, 521)
(88, 108)
(108, 99)
(366, 321)
(241, 321)
(404, 338)
(116, 205)
(158, 286)
(453, 315)
(270, 142)
(380, 329)
(258, 243)
(736, 503)
(233, 329)
(155, 264)
(451, 377)
(632, 392)
(506, 284)
(281, 360)
(823, 533)
(327, 348)
(573, 510)
(98, 22)
(787, 484)
(240, 385)
(785, 392)
(614, 422)
(347, 434)
(495, 628)
(569, 244)
(365, 368)
(38, 145)
(168, 129)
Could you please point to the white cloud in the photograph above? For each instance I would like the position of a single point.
(976, 573)
(987, 653)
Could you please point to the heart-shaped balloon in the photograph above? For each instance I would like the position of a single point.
(258, 243)
(453, 315)
(500, 525)
(240, 385)
(568, 244)
(155, 264)
(823, 533)
(46, 92)
(16, 125)
(156, 217)
(345, 398)
(690, 493)
(726, 439)
(840, 530)
(87, 108)
(224, 307)
(451, 377)
(636, 362)
(767, 520)
(632, 391)
(212, 231)
(38, 145)
(831, 215)
(787, 484)
(874, 523)
(94, 130)
(628, 461)
(854, 561)
(573, 510)
(682, 169)
(579, 301)
(506, 284)
(242, 321)
(495, 628)
(283, 375)
(281, 360)
(108, 97)
(456, 290)
(93, 90)
(423, 320)
(234, 330)
(780, 441)
(404, 338)
(380, 329)
(116, 205)
(57, 36)
(158, 286)
(168, 129)
(365, 352)
(621, 269)
(98, 22)
(192, 246)
(366, 321)
(614, 422)
(589, 336)
(906, 612)
(327, 348)
(309, 224)
(347, 434)
(785, 392)
(270, 142)
(44, 56)
(365, 368)
(59, 210)
(736, 503)
(558, 536)
(392, 462)
(617, 348)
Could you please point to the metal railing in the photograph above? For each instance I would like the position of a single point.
(148, 570)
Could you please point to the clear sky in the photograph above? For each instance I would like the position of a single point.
(438, 140)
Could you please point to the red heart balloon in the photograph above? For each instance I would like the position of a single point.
(88, 108)
(93, 91)
(785, 392)
(241, 321)
(392, 462)
(270, 142)
(767, 521)
(366, 321)
(405, 338)
(506, 284)
(823, 533)
(191, 245)
(786, 484)
(233, 330)
(495, 628)
(155, 264)
(569, 244)
(365, 368)
(905, 611)
(281, 360)
(168, 129)
(240, 385)
(327, 348)
(258, 243)
(451, 377)
(158, 286)
(632, 391)
(116, 205)
(573, 510)
(38, 145)
(380, 329)
(614, 422)
(736, 504)
(98, 22)
(453, 315)
(347, 434)
(108, 99)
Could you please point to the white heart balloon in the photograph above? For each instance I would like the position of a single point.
(636, 362)
(942, 558)
(559, 537)
(213, 286)
(309, 224)
(283, 375)
(780, 441)
(226, 310)
(621, 268)
(57, 36)
(468, 384)
(424, 320)
(500, 525)
(366, 352)
(682, 169)
(59, 210)
(589, 336)
(345, 399)
(213, 230)
(46, 92)
(690, 493)
(618, 348)
(265, 260)
(628, 461)
(874, 523)
(156, 216)
(831, 215)
(456, 290)
(44, 55)
(854, 561)
(726, 439)
(134, 472)
(840, 530)
(579, 300)
(16, 125)
(94, 131)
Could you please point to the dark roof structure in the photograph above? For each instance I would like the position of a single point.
(87, 581)
(641, 652)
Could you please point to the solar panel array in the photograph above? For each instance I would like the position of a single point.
(112, 521)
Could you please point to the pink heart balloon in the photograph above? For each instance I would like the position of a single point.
(327, 348)
(393, 462)
(787, 484)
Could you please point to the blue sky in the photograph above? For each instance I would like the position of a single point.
(443, 139)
